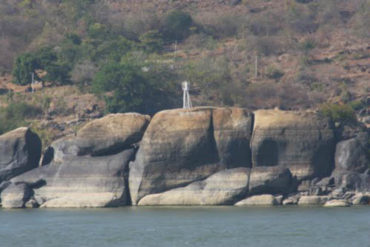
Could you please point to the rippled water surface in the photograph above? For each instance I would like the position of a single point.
(197, 226)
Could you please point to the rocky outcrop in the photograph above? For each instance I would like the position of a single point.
(188, 145)
(198, 156)
(108, 135)
(20, 151)
(81, 182)
(301, 141)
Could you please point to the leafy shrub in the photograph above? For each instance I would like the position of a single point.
(177, 25)
(338, 113)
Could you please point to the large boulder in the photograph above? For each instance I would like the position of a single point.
(186, 145)
(352, 154)
(312, 200)
(81, 182)
(271, 180)
(15, 196)
(222, 188)
(259, 200)
(108, 135)
(301, 141)
(20, 151)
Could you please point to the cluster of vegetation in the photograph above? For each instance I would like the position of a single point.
(340, 113)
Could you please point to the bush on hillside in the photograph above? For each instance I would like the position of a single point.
(176, 26)
(338, 113)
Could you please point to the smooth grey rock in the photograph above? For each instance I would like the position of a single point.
(108, 135)
(15, 196)
(182, 146)
(222, 188)
(301, 141)
(272, 180)
(259, 200)
(20, 151)
(81, 182)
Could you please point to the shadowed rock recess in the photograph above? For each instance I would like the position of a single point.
(198, 156)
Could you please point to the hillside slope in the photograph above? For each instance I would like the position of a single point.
(290, 54)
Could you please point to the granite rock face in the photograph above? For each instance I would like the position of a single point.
(222, 188)
(20, 151)
(300, 141)
(105, 136)
(81, 182)
(186, 145)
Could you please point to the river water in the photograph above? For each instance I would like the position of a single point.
(190, 226)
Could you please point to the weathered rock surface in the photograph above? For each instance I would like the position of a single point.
(233, 131)
(222, 188)
(300, 141)
(81, 182)
(20, 151)
(336, 203)
(108, 135)
(312, 200)
(260, 200)
(273, 180)
(183, 146)
(351, 155)
(15, 196)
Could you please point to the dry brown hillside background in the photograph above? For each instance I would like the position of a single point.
(309, 53)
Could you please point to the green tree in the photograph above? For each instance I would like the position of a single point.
(44, 59)
(126, 87)
(177, 25)
(24, 66)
